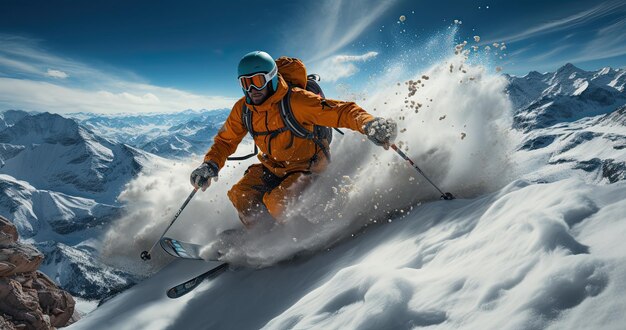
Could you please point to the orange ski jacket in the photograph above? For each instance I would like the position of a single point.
(288, 153)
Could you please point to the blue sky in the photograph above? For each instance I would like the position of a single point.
(63, 55)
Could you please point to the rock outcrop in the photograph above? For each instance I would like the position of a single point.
(28, 298)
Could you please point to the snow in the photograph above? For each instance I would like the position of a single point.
(581, 86)
(59, 185)
(524, 256)
(531, 242)
(55, 153)
(534, 239)
(65, 229)
(172, 135)
(84, 306)
(586, 93)
(371, 184)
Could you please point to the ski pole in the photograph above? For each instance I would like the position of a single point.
(446, 196)
(145, 255)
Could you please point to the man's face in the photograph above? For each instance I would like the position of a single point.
(259, 96)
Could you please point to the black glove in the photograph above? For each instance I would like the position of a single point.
(200, 177)
(381, 131)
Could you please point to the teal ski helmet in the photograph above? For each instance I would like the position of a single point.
(257, 62)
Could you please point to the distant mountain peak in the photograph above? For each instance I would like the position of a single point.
(534, 74)
(567, 70)
(565, 95)
(569, 66)
(8, 118)
(42, 127)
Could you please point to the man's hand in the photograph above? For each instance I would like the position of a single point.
(381, 131)
(201, 176)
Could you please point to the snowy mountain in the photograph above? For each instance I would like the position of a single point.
(35, 211)
(594, 146)
(171, 135)
(65, 228)
(8, 118)
(55, 153)
(569, 94)
(59, 184)
(543, 251)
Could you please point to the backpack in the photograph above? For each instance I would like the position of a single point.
(321, 135)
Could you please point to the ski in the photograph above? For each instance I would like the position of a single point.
(180, 249)
(188, 286)
(191, 251)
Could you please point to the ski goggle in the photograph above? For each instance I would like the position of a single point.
(257, 80)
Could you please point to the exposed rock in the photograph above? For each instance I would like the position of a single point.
(28, 298)
(8, 232)
(6, 325)
(23, 258)
(21, 304)
(55, 302)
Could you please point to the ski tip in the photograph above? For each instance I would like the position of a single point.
(171, 293)
(179, 249)
(184, 288)
(448, 196)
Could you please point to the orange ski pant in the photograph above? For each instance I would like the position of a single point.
(260, 191)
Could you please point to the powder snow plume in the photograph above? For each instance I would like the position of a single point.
(151, 201)
(453, 121)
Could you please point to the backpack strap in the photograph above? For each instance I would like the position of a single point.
(294, 126)
(246, 119)
(290, 121)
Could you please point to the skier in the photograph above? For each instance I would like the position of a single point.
(288, 161)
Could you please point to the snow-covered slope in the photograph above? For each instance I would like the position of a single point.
(594, 146)
(522, 257)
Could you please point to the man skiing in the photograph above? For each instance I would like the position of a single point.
(274, 109)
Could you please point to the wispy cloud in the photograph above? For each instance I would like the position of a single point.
(549, 54)
(609, 41)
(341, 66)
(355, 58)
(45, 96)
(56, 74)
(323, 33)
(340, 35)
(8, 66)
(596, 33)
(580, 18)
(26, 58)
(33, 78)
